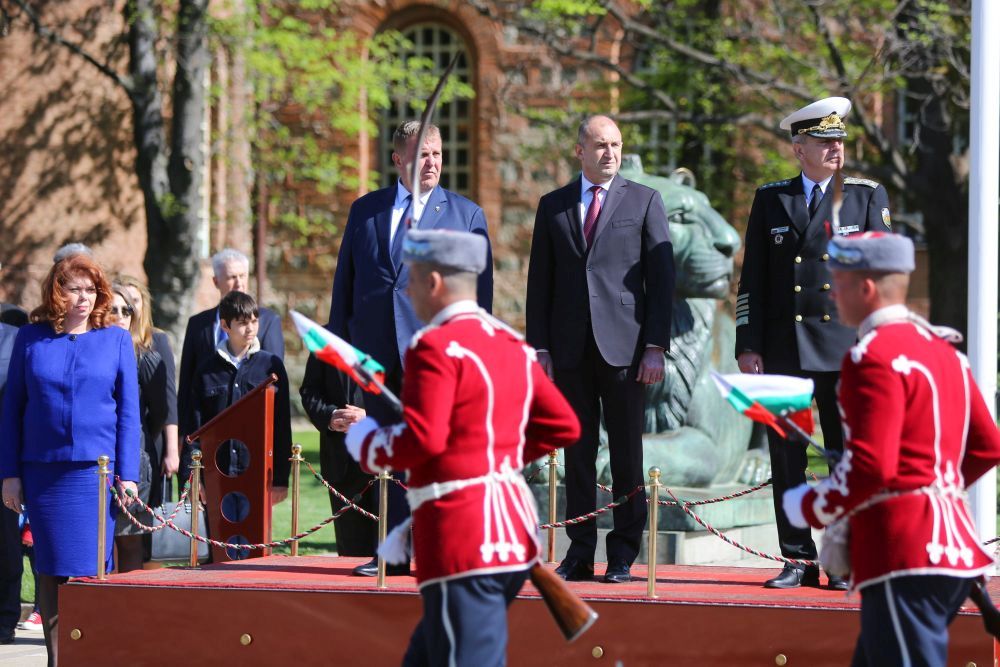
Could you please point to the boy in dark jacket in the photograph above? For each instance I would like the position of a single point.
(237, 367)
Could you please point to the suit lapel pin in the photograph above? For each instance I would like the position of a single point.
(778, 239)
(437, 209)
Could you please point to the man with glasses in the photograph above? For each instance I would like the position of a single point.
(786, 321)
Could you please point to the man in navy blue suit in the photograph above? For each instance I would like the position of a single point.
(231, 271)
(370, 308)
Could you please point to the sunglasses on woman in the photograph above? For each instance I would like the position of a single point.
(124, 311)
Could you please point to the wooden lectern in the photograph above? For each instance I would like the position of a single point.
(237, 496)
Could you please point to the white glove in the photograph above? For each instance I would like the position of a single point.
(396, 548)
(791, 503)
(356, 435)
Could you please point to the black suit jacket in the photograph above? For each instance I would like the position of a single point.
(784, 309)
(7, 335)
(622, 286)
(325, 389)
(199, 347)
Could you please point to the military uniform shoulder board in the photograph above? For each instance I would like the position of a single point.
(850, 180)
(775, 184)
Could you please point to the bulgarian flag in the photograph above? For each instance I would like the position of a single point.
(334, 350)
(767, 398)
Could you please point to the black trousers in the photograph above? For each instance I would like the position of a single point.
(356, 534)
(398, 510)
(11, 566)
(592, 389)
(788, 462)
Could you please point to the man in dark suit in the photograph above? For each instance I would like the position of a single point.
(231, 272)
(786, 320)
(11, 560)
(327, 397)
(370, 308)
(600, 286)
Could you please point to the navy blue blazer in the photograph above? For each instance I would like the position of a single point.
(71, 397)
(370, 308)
(199, 348)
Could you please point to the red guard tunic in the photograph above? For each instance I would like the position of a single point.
(477, 406)
(917, 434)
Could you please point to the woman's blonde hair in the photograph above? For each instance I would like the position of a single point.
(133, 325)
(145, 319)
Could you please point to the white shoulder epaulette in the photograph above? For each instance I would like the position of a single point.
(420, 334)
(851, 180)
(500, 324)
(775, 184)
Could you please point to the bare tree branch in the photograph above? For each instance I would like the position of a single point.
(53, 37)
(561, 47)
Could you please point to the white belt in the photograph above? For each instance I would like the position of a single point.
(417, 496)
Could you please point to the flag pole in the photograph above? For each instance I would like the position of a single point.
(984, 146)
(831, 457)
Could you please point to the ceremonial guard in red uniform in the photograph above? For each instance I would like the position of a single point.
(918, 433)
(477, 406)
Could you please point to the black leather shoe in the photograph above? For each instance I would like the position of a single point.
(837, 583)
(617, 573)
(572, 569)
(792, 577)
(370, 569)
(6, 637)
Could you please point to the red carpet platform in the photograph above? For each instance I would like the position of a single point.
(310, 611)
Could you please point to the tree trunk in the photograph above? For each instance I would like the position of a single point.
(150, 140)
(942, 195)
(171, 259)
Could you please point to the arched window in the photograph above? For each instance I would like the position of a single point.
(439, 44)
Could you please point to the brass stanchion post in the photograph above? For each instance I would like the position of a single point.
(102, 516)
(383, 521)
(296, 464)
(195, 502)
(552, 506)
(654, 524)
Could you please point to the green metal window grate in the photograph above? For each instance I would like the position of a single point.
(439, 44)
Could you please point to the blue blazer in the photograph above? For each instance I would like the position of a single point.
(370, 308)
(71, 397)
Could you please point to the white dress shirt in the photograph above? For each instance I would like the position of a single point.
(586, 196)
(808, 184)
(400, 205)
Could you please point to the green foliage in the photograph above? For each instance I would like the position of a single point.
(730, 69)
(316, 87)
(314, 505)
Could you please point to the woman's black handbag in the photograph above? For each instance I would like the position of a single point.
(168, 544)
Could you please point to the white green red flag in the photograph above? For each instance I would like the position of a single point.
(767, 398)
(334, 350)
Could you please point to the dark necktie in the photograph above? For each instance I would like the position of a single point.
(396, 247)
(817, 195)
(593, 212)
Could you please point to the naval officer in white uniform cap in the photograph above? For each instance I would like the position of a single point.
(786, 320)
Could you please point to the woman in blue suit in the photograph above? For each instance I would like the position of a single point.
(72, 396)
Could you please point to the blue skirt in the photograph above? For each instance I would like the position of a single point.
(61, 499)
